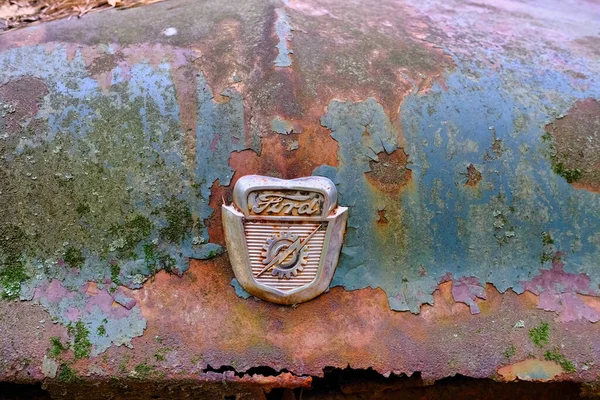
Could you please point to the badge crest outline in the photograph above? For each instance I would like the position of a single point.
(283, 236)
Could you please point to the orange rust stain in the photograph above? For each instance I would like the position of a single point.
(214, 223)
(329, 62)
(100, 64)
(492, 301)
(370, 60)
(185, 82)
(390, 174)
(590, 301)
(219, 57)
(530, 299)
(92, 289)
(381, 219)
(156, 54)
(283, 380)
(315, 148)
(201, 314)
(71, 51)
(473, 176)
(530, 370)
(321, 70)
(444, 309)
(212, 316)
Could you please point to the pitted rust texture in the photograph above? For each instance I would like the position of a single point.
(315, 148)
(389, 172)
(374, 58)
(174, 349)
(381, 218)
(275, 336)
(19, 101)
(473, 176)
(575, 142)
(322, 69)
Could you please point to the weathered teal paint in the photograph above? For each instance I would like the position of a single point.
(282, 126)
(493, 233)
(99, 166)
(283, 29)
(115, 181)
(220, 131)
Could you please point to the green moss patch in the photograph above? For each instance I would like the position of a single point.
(81, 343)
(556, 356)
(90, 189)
(539, 335)
(150, 257)
(115, 271)
(132, 232)
(547, 239)
(66, 374)
(570, 174)
(12, 271)
(179, 220)
(11, 278)
(558, 167)
(82, 209)
(101, 330)
(74, 257)
(511, 351)
(56, 346)
(143, 371)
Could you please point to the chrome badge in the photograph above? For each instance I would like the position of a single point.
(284, 236)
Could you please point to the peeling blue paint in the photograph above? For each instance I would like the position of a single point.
(83, 153)
(239, 290)
(119, 331)
(438, 228)
(283, 29)
(492, 233)
(93, 310)
(220, 131)
(282, 126)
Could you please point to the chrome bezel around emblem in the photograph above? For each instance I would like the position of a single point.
(304, 211)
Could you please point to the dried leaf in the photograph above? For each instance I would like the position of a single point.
(19, 13)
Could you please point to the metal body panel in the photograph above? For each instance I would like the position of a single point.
(461, 136)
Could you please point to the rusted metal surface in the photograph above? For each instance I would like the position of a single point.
(574, 142)
(461, 136)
